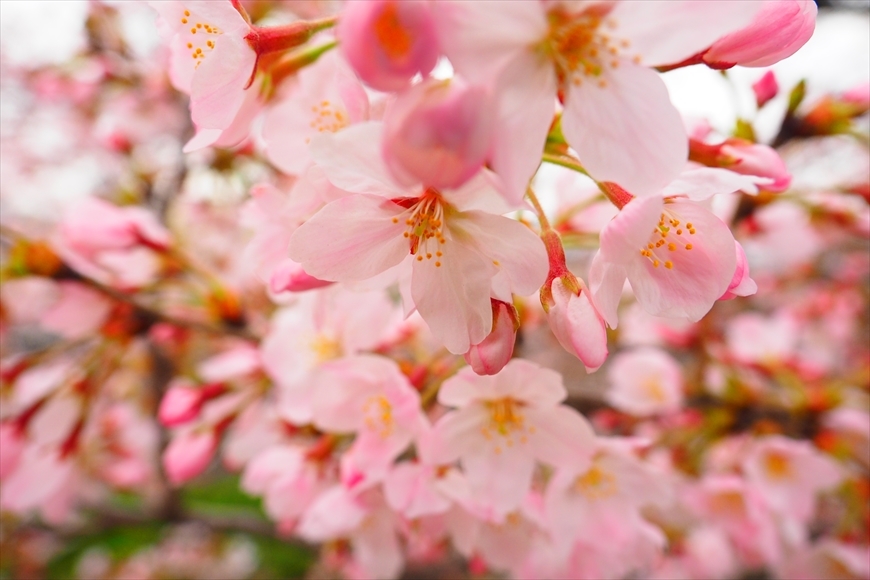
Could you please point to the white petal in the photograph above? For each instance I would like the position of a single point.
(627, 131)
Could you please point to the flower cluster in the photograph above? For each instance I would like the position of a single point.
(326, 287)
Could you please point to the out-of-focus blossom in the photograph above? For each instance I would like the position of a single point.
(388, 42)
(438, 133)
(645, 381)
(504, 424)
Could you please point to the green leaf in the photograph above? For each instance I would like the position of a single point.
(796, 96)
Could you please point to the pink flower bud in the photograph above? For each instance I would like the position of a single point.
(188, 455)
(491, 355)
(759, 160)
(438, 133)
(180, 404)
(765, 88)
(577, 324)
(778, 30)
(388, 42)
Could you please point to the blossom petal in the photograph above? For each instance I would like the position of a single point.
(217, 91)
(526, 106)
(453, 298)
(562, 437)
(352, 238)
(518, 251)
(352, 160)
(627, 130)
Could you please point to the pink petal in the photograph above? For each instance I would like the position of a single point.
(353, 238)
(626, 131)
(453, 298)
(778, 30)
(500, 481)
(530, 383)
(525, 91)
(520, 253)
(217, 91)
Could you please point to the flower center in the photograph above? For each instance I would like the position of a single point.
(580, 45)
(392, 36)
(655, 390)
(669, 239)
(777, 465)
(379, 415)
(505, 420)
(424, 230)
(325, 348)
(326, 117)
(199, 39)
(596, 483)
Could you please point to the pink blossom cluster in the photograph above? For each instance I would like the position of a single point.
(361, 262)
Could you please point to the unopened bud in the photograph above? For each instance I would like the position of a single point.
(577, 324)
(491, 355)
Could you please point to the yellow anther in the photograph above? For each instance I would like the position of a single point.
(669, 265)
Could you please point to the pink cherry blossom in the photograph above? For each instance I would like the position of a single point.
(491, 355)
(645, 381)
(504, 424)
(411, 489)
(388, 42)
(459, 256)
(790, 473)
(210, 60)
(438, 133)
(617, 116)
(777, 31)
(678, 257)
(752, 337)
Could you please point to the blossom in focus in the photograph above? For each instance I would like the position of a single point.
(459, 255)
(210, 60)
(678, 257)
(618, 116)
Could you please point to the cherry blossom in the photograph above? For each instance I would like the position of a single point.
(595, 57)
(504, 424)
(458, 255)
